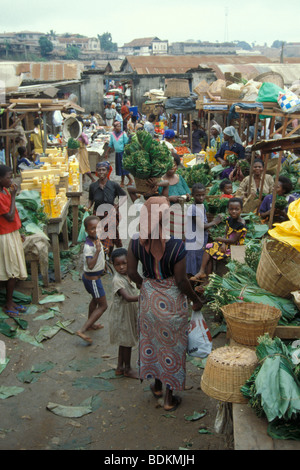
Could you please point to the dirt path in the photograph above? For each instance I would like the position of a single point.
(126, 416)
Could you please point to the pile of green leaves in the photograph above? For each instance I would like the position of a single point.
(291, 171)
(273, 390)
(253, 253)
(280, 202)
(146, 158)
(197, 174)
(31, 212)
(241, 285)
(73, 143)
(216, 205)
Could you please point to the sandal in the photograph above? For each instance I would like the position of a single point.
(12, 313)
(158, 394)
(21, 308)
(176, 400)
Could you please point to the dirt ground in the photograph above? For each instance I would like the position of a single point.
(127, 416)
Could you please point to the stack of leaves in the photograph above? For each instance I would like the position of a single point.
(73, 143)
(197, 174)
(217, 205)
(253, 253)
(146, 158)
(273, 390)
(31, 212)
(280, 203)
(240, 284)
(291, 171)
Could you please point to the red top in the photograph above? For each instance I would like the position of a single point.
(5, 225)
(125, 112)
(229, 196)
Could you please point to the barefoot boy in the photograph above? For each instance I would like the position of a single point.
(94, 263)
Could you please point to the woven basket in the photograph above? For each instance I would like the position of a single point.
(271, 77)
(226, 371)
(176, 87)
(142, 186)
(228, 94)
(247, 321)
(279, 268)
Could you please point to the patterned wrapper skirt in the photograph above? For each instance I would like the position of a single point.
(163, 332)
(12, 258)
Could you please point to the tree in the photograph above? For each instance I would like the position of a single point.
(106, 42)
(72, 53)
(278, 44)
(46, 46)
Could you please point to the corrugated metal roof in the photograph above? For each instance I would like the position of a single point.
(289, 72)
(140, 42)
(181, 64)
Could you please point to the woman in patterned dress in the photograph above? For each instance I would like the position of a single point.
(163, 305)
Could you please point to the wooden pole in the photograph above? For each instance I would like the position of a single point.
(253, 153)
(263, 179)
(276, 178)
(208, 129)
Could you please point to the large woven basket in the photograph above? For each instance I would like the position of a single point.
(247, 321)
(230, 94)
(177, 87)
(279, 268)
(226, 371)
(142, 186)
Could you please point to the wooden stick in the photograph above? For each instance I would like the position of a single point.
(253, 154)
(263, 179)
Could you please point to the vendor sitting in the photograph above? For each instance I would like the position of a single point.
(169, 136)
(23, 162)
(284, 187)
(232, 145)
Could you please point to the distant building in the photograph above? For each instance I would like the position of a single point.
(199, 47)
(145, 47)
(82, 43)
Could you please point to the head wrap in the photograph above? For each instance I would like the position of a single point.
(232, 132)
(106, 165)
(217, 127)
(154, 216)
(169, 134)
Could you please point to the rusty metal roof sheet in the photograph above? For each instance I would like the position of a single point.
(289, 72)
(181, 64)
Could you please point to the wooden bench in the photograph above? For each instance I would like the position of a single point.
(34, 282)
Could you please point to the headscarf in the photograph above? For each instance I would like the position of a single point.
(169, 134)
(154, 215)
(106, 165)
(217, 127)
(232, 132)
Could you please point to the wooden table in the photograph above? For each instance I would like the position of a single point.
(55, 226)
(75, 203)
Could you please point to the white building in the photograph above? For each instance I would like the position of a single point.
(145, 46)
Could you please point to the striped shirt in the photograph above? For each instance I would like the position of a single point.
(174, 252)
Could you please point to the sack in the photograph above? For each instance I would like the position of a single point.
(199, 337)
(82, 233)
(288, 102)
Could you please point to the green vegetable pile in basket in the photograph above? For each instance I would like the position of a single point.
(197, 174)
(146, 158)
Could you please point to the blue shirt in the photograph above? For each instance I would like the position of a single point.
(236, 148)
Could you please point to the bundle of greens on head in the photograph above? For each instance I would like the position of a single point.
(73, 143)
(199, 173)
(146, 158)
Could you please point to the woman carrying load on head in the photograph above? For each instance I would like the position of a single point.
(163, 306)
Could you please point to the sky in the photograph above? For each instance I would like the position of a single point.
(253, 21)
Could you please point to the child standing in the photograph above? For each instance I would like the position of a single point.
(226, 188)
(197, 230)
(12, 258)
(94, 264)
(235, 234)
(123, 314)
